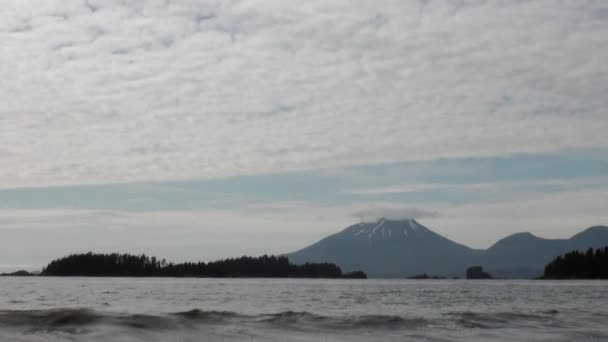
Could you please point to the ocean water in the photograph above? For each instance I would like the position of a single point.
(152, 309)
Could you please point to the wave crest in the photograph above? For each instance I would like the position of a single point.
(82, 320)
(488, 320)
(352, 322)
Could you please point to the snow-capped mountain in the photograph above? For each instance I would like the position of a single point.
(389, 248)
(401, 248)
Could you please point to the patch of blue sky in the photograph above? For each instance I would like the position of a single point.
(570, 165)
(465, 180)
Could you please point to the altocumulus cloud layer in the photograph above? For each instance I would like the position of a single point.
(112, 91)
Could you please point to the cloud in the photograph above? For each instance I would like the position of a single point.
(372, 214)
(11, 267)
(517, 186)
(408, 188)
(419, 183)
(115, 91)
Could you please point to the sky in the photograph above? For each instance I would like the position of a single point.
(197, 130)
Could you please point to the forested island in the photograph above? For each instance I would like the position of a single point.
(477, 272)
(576, 265)
(127, 265)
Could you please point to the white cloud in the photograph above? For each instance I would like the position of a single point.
(103, 91)
(416, 187)
(372, 214)
(515, 185)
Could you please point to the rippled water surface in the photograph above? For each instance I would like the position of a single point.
(150, 309)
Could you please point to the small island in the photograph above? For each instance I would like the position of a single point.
(127, 265)
(425, 276)
(578, 265)
(476, 272)
(20, 273)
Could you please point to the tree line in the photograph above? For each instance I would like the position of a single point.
(128, 265)
(579, 265)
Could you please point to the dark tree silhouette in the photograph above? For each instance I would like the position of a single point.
(576, 265)
(127, 265)
(476, 272)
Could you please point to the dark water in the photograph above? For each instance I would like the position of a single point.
(123, 309)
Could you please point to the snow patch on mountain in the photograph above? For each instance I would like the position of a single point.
(386, 229)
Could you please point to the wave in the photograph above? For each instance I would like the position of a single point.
(488, 320)
(77, 320)
(49, 318)
(208, 316)
(68, 319)
(352, 322)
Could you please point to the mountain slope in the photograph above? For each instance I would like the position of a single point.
(396, 249)
(388, 248)
(525, 255)
(520, 255)
(594, 237)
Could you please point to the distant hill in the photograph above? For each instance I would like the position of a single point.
(524, 255)
(405, 248)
